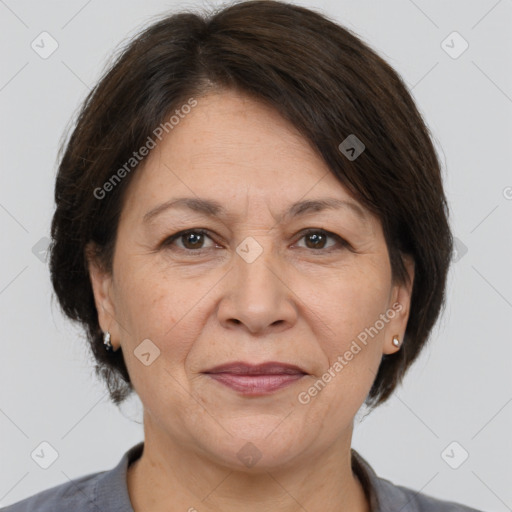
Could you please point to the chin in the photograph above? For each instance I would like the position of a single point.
(255, 453)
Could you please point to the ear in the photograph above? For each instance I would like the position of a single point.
(101, 281)
(400, 303)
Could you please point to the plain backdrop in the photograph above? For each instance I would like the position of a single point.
(459, 391)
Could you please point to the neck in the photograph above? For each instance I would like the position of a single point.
(172, 477)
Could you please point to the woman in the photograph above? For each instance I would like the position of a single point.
(251, 226)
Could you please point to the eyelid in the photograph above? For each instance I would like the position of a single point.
(342, 242)
(339, 239)
(176, 236)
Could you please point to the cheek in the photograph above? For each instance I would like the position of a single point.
(153, 308)
(164, 307)
(142, 310)
(350, 304)
(346, 303)
(145, 291)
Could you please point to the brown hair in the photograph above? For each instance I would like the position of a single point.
(316, 74)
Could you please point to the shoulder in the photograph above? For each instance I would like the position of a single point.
(392, 496)
(101, 491)
(385, 496)
(78, 495)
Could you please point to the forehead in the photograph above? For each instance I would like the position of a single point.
(238, 151)
(234, 131)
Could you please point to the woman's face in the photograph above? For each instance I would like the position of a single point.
(256, 287)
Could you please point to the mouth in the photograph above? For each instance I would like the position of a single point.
(256, 380)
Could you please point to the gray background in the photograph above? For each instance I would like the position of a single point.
(459, 390)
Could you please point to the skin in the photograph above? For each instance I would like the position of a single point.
(297, 302)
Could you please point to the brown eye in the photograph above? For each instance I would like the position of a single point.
(316, 239)
(191, 240)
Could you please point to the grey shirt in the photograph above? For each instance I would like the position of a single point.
(107, 491)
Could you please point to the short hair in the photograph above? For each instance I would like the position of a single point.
(319, 76)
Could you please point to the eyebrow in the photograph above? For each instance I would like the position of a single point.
(212, 208)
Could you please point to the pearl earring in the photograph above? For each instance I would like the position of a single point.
(396, 341)
(106, 342)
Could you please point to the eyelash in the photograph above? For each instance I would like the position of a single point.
(342, 244)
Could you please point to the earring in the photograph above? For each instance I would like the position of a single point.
(396, 341)
(106, 342)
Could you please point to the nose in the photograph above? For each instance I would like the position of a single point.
(257, 296)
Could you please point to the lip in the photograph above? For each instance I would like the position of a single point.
(256, 380)
(267, 368)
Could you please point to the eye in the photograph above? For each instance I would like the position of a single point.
(316, 240)
(192, 239)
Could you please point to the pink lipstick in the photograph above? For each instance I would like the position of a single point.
(258, 379)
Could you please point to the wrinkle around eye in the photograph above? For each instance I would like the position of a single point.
(339, 242)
